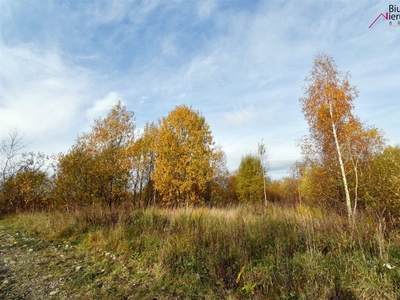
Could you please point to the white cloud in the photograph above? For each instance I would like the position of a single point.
(169, 48)
(206, 8)
(238, 118)
(102, 106)
(41, 94)
(110, 11)
(243, 68)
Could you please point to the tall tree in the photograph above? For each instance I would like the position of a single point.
(262, 155)
(101, 162)
(222, 191)
(10, 155)
(183, 166)
(144, 164)
(337, 138)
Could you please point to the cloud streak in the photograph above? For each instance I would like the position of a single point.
(43, 95)
(241, 63)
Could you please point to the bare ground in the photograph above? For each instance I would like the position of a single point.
(34, 268)
(31, 268)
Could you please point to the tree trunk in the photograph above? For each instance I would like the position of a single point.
(342, 170)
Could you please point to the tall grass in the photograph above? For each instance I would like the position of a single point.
(240, 252)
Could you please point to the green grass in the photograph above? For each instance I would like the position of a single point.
(232, 253)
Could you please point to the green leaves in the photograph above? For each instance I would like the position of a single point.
(250, 179)
(383, 193)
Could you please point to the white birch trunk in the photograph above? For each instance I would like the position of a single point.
(342, 170)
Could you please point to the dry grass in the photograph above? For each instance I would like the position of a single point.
(238, 252)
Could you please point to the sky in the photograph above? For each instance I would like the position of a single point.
(242, 64)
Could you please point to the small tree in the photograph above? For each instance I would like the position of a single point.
(250, 179)
(222, 190)
(383, 190)
(29, 190)
(24, 182)
(262, 156)
(10, 155)
(76, 181)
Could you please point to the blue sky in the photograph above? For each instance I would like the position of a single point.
(242, 64)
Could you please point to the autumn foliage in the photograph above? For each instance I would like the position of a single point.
(99, 166)
(174, 163)
(346, 165)
(338, 142)
(183, 165)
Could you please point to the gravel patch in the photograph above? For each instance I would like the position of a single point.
(31, 268)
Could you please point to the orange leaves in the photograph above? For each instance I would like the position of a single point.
(183, 165)
(327, 106)
(99, 165)
(337, 141)
(328, 93)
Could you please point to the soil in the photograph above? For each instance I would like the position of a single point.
(31, 268)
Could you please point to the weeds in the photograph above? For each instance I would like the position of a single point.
(239, 252)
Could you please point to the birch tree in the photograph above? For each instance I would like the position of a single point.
(100, 164)
(183, 166)
(337, 140)
(262, 156)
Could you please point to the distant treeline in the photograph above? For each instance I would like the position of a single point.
(346, 165)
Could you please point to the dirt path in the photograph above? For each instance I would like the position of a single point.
(31, 268)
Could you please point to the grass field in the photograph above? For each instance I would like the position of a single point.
(226, 253)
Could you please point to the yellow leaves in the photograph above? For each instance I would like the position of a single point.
(116, 130)
(328, 88)
(240, 274)
(100, 163)
(327, 106)
(107, 164)
(183, 165)
(25, 190)
(338, 141)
